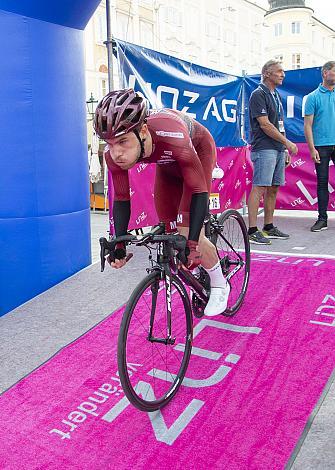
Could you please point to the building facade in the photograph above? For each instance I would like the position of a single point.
(221, 35)
(295, 36)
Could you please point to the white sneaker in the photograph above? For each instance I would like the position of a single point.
(217, 302)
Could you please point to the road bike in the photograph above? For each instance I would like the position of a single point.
(155, 335)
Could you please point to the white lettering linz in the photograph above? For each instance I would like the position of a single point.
(175, 135)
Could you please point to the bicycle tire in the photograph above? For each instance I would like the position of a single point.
(135, 347)
(222, 232)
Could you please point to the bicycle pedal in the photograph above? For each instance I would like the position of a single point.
(198, 306)
(198, 314)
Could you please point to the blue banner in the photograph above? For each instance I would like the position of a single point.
(213, 98)
(294, 90)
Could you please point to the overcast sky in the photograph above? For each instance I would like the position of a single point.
(324, 10)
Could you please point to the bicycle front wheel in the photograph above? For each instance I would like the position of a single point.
(230, 236)
(152, 359)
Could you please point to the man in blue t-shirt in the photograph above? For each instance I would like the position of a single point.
(268, 152)
(319, 125)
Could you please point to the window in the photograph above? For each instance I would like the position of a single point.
(192, 23)
(214, 57)
(103, 87)
(147, 34)
(278, 29)
(124, 25)
(100, 28)
(230, 37)
(173, 16)
(295, 27)
(213, 30)
(296, 61)
(279, 57)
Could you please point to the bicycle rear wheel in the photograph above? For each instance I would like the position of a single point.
(152, 371)
(229, 234)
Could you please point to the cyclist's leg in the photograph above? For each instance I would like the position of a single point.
(220, 289)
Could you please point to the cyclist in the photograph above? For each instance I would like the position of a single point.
(185, 154)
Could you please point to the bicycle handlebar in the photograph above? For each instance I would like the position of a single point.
(157, 235)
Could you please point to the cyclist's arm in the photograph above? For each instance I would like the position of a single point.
(194, 179)
(198, 212)
(121, 204)
(121, 216)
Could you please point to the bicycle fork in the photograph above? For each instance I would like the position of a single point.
(165, 275)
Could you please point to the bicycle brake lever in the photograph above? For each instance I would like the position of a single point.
(102, 254)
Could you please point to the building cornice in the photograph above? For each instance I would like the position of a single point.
(323, 24)
(276, 10)
(255, 5)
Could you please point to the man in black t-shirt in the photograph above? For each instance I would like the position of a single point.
(268, 152)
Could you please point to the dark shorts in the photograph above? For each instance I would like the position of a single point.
(269, 167)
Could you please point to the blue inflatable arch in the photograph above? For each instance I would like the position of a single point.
(44, 199)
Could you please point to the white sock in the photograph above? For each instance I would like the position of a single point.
(216, 276)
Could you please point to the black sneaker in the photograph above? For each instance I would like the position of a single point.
(275, 233)
(259, 239)
(319, 225)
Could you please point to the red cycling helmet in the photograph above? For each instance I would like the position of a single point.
(119, 112)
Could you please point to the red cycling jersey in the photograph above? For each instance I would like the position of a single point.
(185, 154)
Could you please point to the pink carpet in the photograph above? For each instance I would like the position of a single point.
(245, 409)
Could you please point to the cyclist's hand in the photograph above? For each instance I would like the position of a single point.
(193, 255)
(121, 257)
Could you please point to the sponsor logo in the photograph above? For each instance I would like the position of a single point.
(141, 167)
(141, 217)
(297, 202)
(220, 109)
(90, 407)
(174, 135)
(286, 260)
(297, 163)
(228, 204)
(325, 312)
(164, 159)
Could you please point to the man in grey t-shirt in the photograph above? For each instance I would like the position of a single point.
(268, 153)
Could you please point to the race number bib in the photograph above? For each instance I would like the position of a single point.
(214, 201)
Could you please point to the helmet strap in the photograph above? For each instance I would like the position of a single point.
(141, 141)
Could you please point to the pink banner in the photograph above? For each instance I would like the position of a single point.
(299, 192)
(230, 188)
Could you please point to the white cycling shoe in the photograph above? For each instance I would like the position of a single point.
(218, 300)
